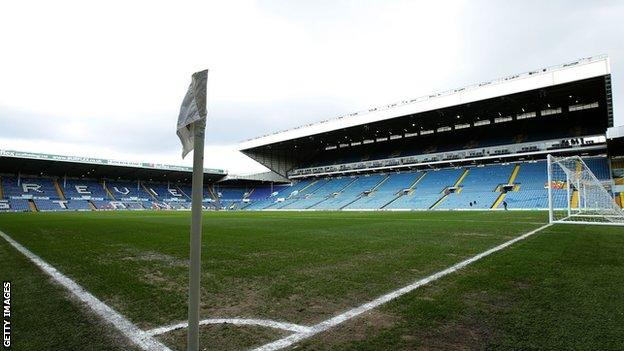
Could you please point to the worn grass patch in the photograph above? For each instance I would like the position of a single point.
(224, 337)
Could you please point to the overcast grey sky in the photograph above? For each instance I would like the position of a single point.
(106, 79)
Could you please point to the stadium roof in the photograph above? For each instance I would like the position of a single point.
(537, 79)
(504, 106)
(87, 167)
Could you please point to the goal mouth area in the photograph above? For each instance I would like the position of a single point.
(576, 195)
(587, 217)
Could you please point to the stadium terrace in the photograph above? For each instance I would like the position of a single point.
(477, 147)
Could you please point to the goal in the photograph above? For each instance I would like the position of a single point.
(575, 195)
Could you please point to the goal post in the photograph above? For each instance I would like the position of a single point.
(575, 195)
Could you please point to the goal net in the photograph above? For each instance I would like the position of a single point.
(575, 195)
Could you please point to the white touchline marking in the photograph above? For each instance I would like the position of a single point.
(121, 323)
(336, 320)
(236, 321)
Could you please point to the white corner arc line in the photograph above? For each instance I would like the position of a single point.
(142, 339)
(235, 321)
(336, 320)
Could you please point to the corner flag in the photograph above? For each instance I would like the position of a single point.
(191, 129)
(193, 111)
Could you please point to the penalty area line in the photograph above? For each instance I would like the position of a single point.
(141, 338)
(352, 313)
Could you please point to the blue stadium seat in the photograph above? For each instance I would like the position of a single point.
(127, 191)
(350, 193)
(50, 205)
(428, 190)
(532, 193)
(29, 187)
(386, 192)
(14, 205)
(83, 189)
(479, 188)
(409, 190)
(319, 192)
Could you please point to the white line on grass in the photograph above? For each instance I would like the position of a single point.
(336, 320)
(405, 219)
(235, 321)
(121, 323)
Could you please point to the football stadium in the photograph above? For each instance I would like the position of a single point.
(472, 148)
(436, 223)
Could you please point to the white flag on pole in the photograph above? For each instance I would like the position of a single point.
(193, 111)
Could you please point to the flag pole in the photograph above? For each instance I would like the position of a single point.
(191, 128)
(196, 232)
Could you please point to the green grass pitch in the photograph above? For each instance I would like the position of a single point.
(559, 289)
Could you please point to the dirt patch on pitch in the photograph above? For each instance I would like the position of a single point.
(479, 235)
(224, 337)
(156, 257)
(354, 331)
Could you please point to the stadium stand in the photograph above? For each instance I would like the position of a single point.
(42, 188)
(351, 193)
(104, 205)
(522, 185)
(477, 147)
(83, 189)
(292, 193)
(51, 205)
(231, 198)
(263, 197)
(126, 191)
(14, 205)
(210, 198)
(429, 190)
(78, 205)
(319, 192)
(164, 192)
(133, 206)
(532, 193)
(263, 192)
(391, 188)
(479, 189)
(600, 167)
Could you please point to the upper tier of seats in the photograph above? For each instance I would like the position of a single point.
(463, 139)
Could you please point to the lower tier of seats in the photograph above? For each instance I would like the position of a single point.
(514, 186)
